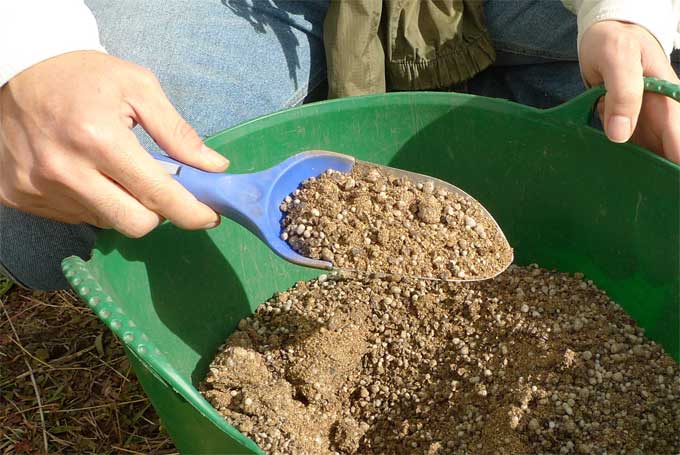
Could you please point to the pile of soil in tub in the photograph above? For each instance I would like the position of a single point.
(533, 361)
(370, 221)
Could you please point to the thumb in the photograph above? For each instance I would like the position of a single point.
(623, 101)
(156, 114)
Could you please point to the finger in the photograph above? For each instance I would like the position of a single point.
(63, 210)
(130, 166)
(600, 109)
(671, 141)
(623, 100)
(156, 114)
(19, 191)
(671, 138)
(107, 205)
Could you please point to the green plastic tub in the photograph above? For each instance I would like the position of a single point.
(566, 197)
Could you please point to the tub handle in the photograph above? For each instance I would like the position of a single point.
(579, 110)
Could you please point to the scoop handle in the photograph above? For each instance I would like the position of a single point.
(203, 185)
(238, 197)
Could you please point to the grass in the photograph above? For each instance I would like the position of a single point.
(66, 385)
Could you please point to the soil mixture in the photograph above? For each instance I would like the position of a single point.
(533, 361)
(370, 221)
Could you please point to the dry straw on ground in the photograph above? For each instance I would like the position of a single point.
(66, 383)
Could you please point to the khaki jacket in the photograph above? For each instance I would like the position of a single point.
(378, 45)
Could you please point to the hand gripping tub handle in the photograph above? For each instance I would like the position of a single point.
(580, 110)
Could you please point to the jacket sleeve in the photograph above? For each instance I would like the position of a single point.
(660, 17)
(355, 58)
(35, 30)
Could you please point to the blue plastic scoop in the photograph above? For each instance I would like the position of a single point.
(253, 200)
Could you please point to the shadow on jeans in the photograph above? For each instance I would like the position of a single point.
(277, 15)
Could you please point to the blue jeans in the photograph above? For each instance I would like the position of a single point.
(536, 55)
(223, 62)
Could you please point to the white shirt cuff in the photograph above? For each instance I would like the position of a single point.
(32, 31)
(659, 17)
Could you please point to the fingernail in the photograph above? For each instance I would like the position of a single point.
(212, 224)
(215, 158)
(619, 128)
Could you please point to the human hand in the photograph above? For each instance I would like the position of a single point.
(620, 54)
(67, 151)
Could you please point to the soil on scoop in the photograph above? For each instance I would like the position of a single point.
(532, 361)
(372, 222)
